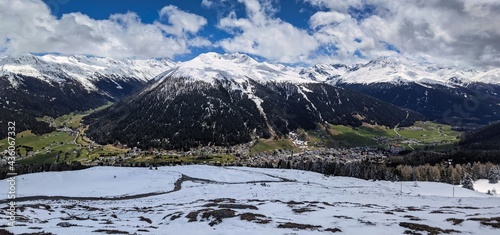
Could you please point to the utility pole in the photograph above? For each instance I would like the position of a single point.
(450, 162)
(401, 191)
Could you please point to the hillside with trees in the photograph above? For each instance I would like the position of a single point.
(485, 138)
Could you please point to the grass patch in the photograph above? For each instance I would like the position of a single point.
(110, 231)
(411, 217)
(47, 147)
(147, 220)
(238, 206)
(5, 232)
(333, 230)
(257, 218)
(38, 233)
(342, 217)
(30, 142)
(347, 136)
(426, 228)
(40, 158)
(454, 221)
(71, 120)
(298, 226)
(269, 145)
(492, 222)
(418, 136)
(302, 210)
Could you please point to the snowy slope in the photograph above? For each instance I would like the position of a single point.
(112, 181)
(85, 70)
(324, 72)
(397, 70)
(98, 181)
(491, 76)
(238, 68)
(240, 200)
(483, 185)
(401, 71)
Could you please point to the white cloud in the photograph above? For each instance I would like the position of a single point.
(461, 32)
(181, 22)
(259, 33)
(342, 5)
(199, 42)
(207, 3)
(322, 18)
(28, 26)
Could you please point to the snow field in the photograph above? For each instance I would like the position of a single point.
(354, 206)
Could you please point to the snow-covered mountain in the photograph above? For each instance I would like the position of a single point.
(324, 72)
(82, 69)
(87, 69)
(455, 96)
(237, 67)
(54, 85)
(399, 71)
(34, 86)
(229, 99)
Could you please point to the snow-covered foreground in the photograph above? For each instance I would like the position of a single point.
(484, 186)
(239, 200)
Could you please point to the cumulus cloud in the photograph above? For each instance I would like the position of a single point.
(341, 38)
(461, 32)
(181, 22)
(322, 18)
(28, 26)
(261, 34)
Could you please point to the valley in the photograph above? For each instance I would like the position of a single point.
(69, 143)
(66, 144)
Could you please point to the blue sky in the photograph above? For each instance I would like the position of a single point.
(456, 33)
(294, 12)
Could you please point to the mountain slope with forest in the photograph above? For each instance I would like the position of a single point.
(485, 138)
(36, 86)
(232, 99)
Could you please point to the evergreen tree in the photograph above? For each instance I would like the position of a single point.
(494, 174)
(467, 182)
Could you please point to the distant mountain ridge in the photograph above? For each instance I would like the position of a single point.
(86, 70)
(53, 85)
(399, 71)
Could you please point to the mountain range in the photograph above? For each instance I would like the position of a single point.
(51, 85)
(228, 99)
(462, 98)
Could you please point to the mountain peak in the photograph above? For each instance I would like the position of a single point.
(20, 59)
(210, 57)
(236, 67)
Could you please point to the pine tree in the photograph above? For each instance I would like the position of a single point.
(467, 182)
(494, 174)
